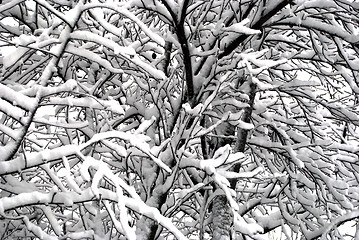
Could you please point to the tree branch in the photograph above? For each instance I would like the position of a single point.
(266, 16)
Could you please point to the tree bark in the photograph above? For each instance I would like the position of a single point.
(221, 210)
(146, 228)
(222, 218)
(256, 25)
(242, 134)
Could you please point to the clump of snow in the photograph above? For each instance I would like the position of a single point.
(240, 28)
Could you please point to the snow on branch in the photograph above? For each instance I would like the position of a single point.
(126, 52)
(154, 213)
(37, 230)
(7, 4)
(106, 121)
(329, 29)
(90, 102)
(37, 158)
(124, 11)
(41, 91)
(13, 111)
(139, 141)
(17, 99)
(81, 52)
(70, 198)
(33, 159)
(70, 21)
(240, 28)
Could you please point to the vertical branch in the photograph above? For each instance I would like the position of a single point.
(180, 32)
(242, 134)
(167, 58)
(65, 36)
(222, 218)
(187, 64)
(221, 210)
(257, 25)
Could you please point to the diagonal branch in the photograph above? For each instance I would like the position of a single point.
(181, 35)
(266, 16)
(180, 32)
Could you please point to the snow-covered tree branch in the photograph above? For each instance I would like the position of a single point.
(179, 119)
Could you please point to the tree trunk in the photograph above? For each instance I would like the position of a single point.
(146, 228)
(222, 218)
(221, 210)
(242, 134)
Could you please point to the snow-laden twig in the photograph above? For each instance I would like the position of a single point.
(124, 11)
(9, 4)
(250, 229)
(154, 213)
(240, 28)
(17, 99)
(129, 231)
(116, 223)
(62, 16)
(81, 52)
(37, 231)
(137, 205)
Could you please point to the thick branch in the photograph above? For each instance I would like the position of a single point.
(167, 58)
(266, 16)
(222, 218)
(11, 149)
(180, 32)
(322, 232)
(187, 63)
(214, 43)
(243, 133)
(181, 35)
